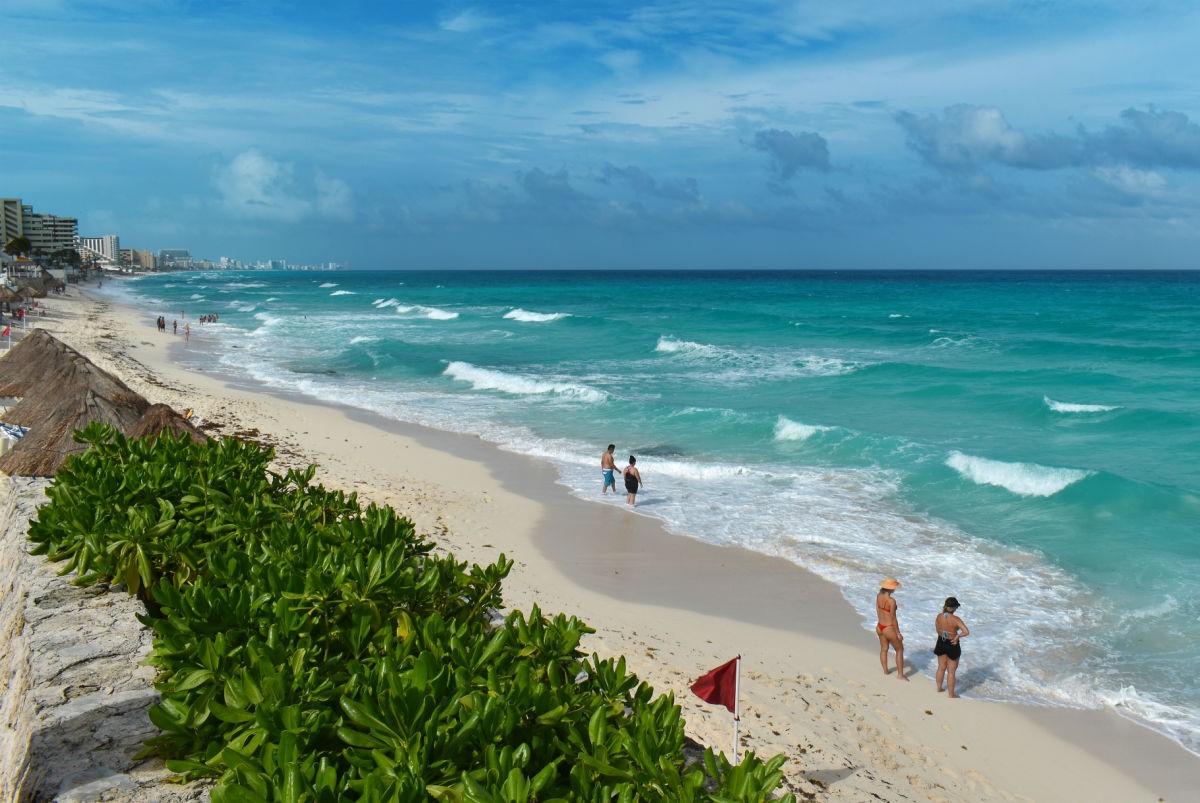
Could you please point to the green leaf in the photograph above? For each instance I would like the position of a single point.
(228, 714)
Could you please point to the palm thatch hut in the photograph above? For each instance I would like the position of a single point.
(26, 364)
(160, 418)
(71, 393)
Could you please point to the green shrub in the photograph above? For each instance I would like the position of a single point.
(310, 649)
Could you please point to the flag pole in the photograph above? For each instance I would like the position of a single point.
(737, 708)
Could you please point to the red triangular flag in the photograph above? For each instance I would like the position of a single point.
(6, 331)
(719, 686)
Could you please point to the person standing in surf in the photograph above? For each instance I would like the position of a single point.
(949, 629)
(888, 626)
(633, 480)
(608, 467)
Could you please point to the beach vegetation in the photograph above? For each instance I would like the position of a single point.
(310, 648)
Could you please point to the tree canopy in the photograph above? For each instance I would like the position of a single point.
(18, 246)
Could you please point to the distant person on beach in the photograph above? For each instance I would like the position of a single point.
(633, 480)
(949, 630)
(608, 467)
(187, 332)
(888, 626)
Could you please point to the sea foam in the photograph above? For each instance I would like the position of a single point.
(526, 316)
(670, 345)
(1069, 407)
(788, 430)
(432, 313)
(343, 293)
(488, 379)
(1023, 479)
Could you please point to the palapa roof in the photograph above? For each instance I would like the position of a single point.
(161, 418)
(7, 293)
(28, 362)
(61, 391)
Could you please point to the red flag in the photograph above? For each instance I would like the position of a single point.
(720, 685)
(7, 331)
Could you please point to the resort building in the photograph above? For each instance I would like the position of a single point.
(174, 259)
(11, 219)
(46, 233)
(107, 247)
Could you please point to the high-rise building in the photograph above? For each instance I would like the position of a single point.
(106, 247)
(50, 233)
(46, 233)
(12, 216)
(143, 259)
(174, 259)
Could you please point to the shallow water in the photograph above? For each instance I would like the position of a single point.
(1025, 441)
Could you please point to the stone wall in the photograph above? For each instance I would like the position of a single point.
(74, 711)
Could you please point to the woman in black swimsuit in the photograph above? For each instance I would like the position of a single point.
(949, 629)
(633, 479)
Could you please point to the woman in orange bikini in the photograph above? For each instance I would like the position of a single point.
(888, 627)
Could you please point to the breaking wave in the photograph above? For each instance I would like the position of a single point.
(1023, 479)
(526, 316)
(489, 379)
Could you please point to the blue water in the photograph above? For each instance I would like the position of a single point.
(1028, 442)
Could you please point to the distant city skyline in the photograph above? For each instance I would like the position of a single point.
(967, 134)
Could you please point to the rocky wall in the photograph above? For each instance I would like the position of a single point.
(74, 711)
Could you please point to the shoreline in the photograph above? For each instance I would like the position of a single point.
(811, 685)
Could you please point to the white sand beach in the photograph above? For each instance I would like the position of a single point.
(812, 688)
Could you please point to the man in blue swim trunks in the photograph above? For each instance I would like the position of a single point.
(608, 467)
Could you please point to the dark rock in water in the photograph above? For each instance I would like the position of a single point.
(661, 450)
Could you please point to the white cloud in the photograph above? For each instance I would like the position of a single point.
(259, 187)
(1132, 181)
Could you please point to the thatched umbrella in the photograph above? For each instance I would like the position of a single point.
(161, 418)
(7, 294)
(72, 393)
(34, 358)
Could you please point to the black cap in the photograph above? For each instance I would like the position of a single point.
(951, 602)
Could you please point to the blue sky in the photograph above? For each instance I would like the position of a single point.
(851, 134)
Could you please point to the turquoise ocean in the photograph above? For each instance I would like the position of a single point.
(1026, 441)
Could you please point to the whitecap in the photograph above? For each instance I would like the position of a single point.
(1071, 407)
(827, 366)
(1023, 479)
(433, 313)
(789, 430)
(526, 316)
(343, 293)
(363, 339)
(670, 345)
(488, 379)
(325, 285)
